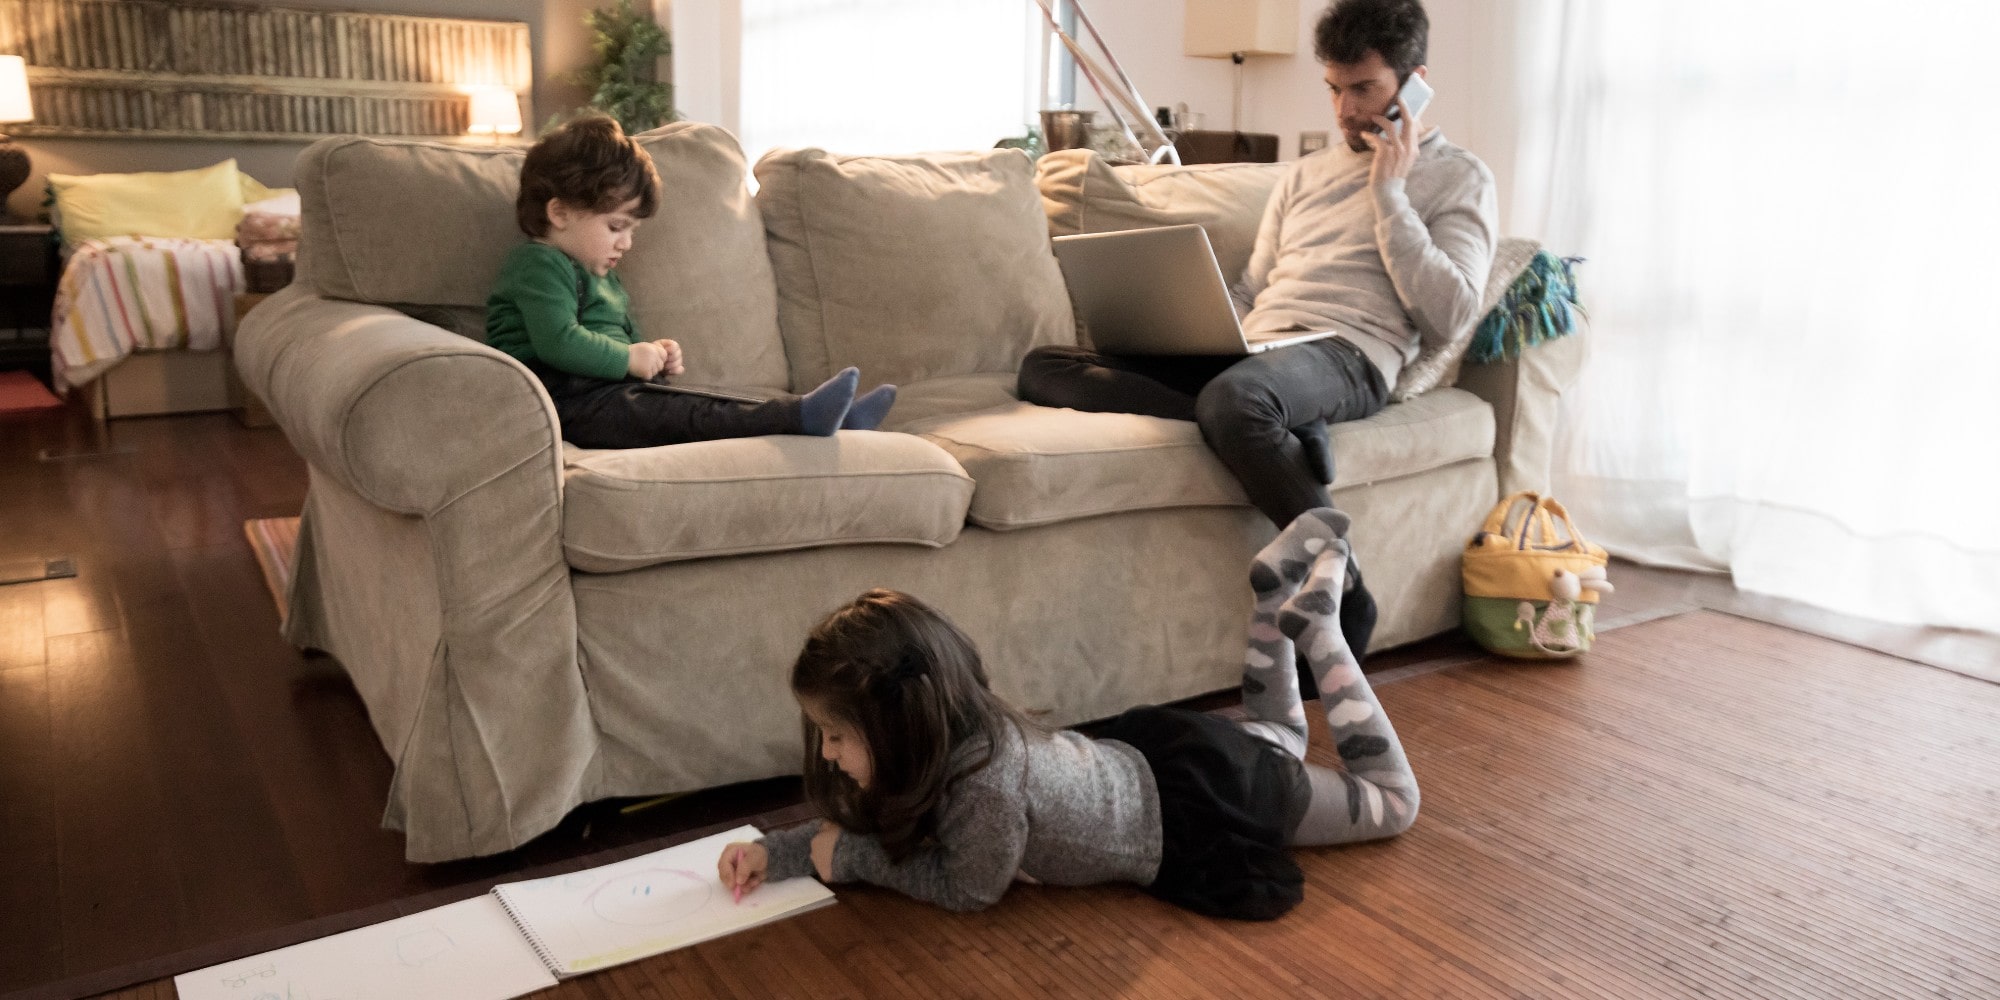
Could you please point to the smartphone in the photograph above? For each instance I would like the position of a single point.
(1415, 93)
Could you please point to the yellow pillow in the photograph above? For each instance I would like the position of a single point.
(255, 191)
(203, 204)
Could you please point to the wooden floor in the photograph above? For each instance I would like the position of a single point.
(1708, 805)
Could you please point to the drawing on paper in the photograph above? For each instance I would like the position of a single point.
(423, 947)
(651, 897)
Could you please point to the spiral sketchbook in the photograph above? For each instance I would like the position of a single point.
(646, 905)
(518, 938)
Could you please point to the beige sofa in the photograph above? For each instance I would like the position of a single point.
(534, 626)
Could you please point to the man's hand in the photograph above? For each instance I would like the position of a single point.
(822, 849)
(1396, 147)
(674, 364)
(645, 360)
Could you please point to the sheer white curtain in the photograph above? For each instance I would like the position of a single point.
(888, 76)
(1791, 212)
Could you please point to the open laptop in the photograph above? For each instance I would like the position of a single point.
(1157, 291)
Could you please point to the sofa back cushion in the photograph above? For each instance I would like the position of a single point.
(400, 222)
(1081, 193)
(910, 267)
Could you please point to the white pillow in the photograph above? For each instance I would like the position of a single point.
(1439, 366)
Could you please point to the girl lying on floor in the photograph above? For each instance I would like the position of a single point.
(934, 786)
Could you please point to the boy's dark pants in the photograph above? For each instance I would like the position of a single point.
(1245, 406)
(600, 413)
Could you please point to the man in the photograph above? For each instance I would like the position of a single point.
(1386, 242)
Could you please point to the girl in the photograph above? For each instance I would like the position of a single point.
(933, 786)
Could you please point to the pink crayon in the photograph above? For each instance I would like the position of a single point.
(736, 888)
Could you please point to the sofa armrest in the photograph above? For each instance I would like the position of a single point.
(1526, 395)
(407, 415)
(430, 563)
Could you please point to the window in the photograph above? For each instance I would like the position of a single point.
(888, 76)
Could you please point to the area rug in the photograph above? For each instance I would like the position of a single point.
(21, 392)
(275, 540)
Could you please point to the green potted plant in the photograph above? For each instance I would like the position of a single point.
(624, 81)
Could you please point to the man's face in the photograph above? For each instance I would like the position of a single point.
(1360, 91)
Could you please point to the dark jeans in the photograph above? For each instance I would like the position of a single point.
(1246, 406)
(601, 413)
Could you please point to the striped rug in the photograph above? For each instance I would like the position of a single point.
(275, 540)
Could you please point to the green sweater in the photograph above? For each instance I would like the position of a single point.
(545, 307)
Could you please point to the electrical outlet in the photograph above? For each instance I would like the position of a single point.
(1311, 142)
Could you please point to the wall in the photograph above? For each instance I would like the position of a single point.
(1472, 64)
(559, 42)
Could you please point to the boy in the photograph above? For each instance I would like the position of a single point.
(560, 309)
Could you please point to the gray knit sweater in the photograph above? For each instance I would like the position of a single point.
(1392, 267)
(1060, 808)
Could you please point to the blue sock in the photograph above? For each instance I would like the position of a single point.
(822, 410)
(869, 409)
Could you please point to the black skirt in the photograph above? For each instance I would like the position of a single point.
(1228, 803)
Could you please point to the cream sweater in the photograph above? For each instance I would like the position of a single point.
(1393, 268)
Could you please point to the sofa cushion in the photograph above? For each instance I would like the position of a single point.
(954, 395)
(399, 222)
(1082, 193)
(1037, 465)
(910, 267)
(1438, 366)
(631, 508)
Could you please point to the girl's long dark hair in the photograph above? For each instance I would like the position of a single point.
(913, 686)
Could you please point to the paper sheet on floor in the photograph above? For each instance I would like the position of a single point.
(469, 950)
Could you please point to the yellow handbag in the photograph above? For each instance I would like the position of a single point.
(1532, 581)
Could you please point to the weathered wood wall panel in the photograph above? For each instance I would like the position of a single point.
(136, 68)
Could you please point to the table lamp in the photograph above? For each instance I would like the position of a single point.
(14, 107)
(496, 111)
(1234, 29)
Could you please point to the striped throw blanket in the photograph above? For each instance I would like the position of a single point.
(139, 293)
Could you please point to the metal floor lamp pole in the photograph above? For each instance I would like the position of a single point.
(1120, 97)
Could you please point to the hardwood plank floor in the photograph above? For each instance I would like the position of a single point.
(177, 786)
(1701, 808)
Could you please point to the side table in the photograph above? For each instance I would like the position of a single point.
(27, 293)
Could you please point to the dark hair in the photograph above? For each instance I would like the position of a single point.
(588, 163)
(1397, 29)
(913, 687)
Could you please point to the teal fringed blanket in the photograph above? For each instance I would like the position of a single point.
(1540, 305)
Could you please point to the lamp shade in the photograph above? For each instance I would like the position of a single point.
(14, 103)
(495, 110)
(1219, 29)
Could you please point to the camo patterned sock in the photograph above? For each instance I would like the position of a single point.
(1270, 678)
(1375, 794)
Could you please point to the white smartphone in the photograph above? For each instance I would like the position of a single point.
(1415, 93)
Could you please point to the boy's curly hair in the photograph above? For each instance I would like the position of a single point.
(589, 163)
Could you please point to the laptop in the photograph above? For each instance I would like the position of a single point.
(1157, 292)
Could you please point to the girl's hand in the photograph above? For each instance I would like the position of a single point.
(672, 349)
(1396, 146)
(822, 849)
(743, 865)
(645, 359)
